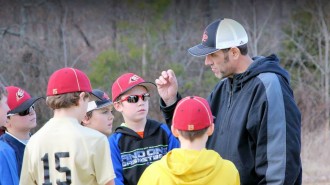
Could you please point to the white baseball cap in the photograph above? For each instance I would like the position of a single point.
(220, 34)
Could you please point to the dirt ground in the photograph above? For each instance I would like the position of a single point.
(316, 158)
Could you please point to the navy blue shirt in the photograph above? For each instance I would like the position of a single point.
(18, 148)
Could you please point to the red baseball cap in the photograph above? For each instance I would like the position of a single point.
(19, 100)
(68, 80)
(192, 113)
(126, 82)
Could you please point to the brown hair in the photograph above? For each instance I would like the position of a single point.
(64, 100)
(89, 114)
(192, 135)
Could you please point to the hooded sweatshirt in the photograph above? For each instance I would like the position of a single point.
(191, 167)
(257, 125)
(131, 154)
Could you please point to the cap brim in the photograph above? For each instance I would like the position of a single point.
(200, 50)
(148, 85)
(95, 97)
(94, 105)
(24, 106)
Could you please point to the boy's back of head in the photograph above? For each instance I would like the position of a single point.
(192, 117)
(64, 87)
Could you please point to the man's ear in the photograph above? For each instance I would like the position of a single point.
(175, 131)
(235, 53)
(210, 130)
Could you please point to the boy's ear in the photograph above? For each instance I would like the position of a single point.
(175, 131)
(81, 96)
(7, 124)
(118, 106)
(85, 121)
(210, 130)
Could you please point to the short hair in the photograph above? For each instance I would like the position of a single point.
(192, 135)
(89, 114)
(66, 100)
(3, 91)
(243, 49)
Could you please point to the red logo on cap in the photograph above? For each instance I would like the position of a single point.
(205, 37)
(190, 127)
(105, 96)
(133, 78)
(19, 94)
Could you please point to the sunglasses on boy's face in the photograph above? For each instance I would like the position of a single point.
(135, 98)
(25, 112)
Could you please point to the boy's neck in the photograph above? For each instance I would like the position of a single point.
(22, 135)
(197, 144)
(68, 112)
(136, 126)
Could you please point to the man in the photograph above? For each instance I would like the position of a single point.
(258, 123)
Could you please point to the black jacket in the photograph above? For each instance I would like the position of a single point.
(257, 125)
(131, 154)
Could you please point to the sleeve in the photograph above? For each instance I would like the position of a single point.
(168, 111)
(277, 159)
(116, 159)
(102, 162)
(173, 142)
(8, 167)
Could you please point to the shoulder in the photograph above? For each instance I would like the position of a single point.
(6, 151)
(268, 77)
(115, 137)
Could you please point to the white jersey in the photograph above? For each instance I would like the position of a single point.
(64, 152)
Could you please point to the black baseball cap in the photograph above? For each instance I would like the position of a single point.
(103, 101)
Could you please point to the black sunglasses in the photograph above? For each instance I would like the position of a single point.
(135, 98)
(23, 113)
(27, 111)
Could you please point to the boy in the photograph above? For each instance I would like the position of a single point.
(21, 119)
(139, 141)
(192, 163)
(99, 113)
(63, 151)
(8, 164)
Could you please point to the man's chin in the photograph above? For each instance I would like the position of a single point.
(219, 75)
